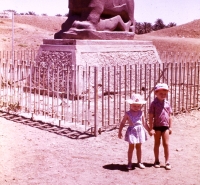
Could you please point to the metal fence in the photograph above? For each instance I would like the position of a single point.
(92, 99)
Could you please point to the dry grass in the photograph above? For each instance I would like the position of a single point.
(31, 30)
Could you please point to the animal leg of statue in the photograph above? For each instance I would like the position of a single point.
(131, 7)
(89, 20)
(95, 14)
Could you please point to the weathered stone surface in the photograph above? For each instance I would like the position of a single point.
(102, 52)
(87, 19)
(58, 61)
(97, 35)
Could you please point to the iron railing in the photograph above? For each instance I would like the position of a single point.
(92, 98)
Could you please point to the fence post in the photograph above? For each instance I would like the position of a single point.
(95, 101)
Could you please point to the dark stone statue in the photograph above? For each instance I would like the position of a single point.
(98, 19)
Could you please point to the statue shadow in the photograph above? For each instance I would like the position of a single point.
(123, 167)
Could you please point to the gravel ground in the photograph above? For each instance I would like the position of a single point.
(32, 155)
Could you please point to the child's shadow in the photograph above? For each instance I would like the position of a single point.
(123, 167)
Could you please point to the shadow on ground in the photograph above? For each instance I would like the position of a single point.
(67, 132)
(123, 167)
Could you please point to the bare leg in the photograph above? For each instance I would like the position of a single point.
(130, 152)
(165, 139)
(112, 23)
(139, 152)
(157, 137)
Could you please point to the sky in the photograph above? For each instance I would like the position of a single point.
(179, 12)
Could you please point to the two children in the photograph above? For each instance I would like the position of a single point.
(159, 125)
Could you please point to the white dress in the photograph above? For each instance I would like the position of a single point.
(135, 132)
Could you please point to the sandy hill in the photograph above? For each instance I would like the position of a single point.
(183, 38)
(49, 23)
(30, 30)
(188, 30)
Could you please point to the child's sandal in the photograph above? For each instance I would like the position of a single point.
(129, 166)
(168, 166)
(141, 166)
(157, 164)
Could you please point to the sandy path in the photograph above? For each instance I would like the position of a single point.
(33, 156)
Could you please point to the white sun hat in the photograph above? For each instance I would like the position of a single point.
(162, 86)
(136, 99)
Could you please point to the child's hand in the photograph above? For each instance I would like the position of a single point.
(151, 132)
(170, 131)
(120, 135)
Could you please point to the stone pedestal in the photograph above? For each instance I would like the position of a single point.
(56, 55)
(98, 52)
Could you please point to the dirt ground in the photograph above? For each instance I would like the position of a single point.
(32, 155)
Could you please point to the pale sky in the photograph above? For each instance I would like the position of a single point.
(176, 11)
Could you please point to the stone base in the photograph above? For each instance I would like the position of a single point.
(56, 56)
(99, 52)
(95, 35)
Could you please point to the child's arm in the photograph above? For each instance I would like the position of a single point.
(170, 124)
(152, 131)
(145, 124)
(121, 126)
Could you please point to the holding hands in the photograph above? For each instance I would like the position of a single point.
(151, 132)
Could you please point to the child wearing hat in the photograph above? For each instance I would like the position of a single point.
(135, 133)
(160, 123)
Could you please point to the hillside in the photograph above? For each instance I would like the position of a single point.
(183, 38)
(189, 30)
(30, 30)
(49, 23)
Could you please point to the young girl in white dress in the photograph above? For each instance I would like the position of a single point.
(135, 134)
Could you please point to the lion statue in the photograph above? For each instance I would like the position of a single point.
(98, 16)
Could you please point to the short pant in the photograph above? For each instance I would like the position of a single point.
(161, 129)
